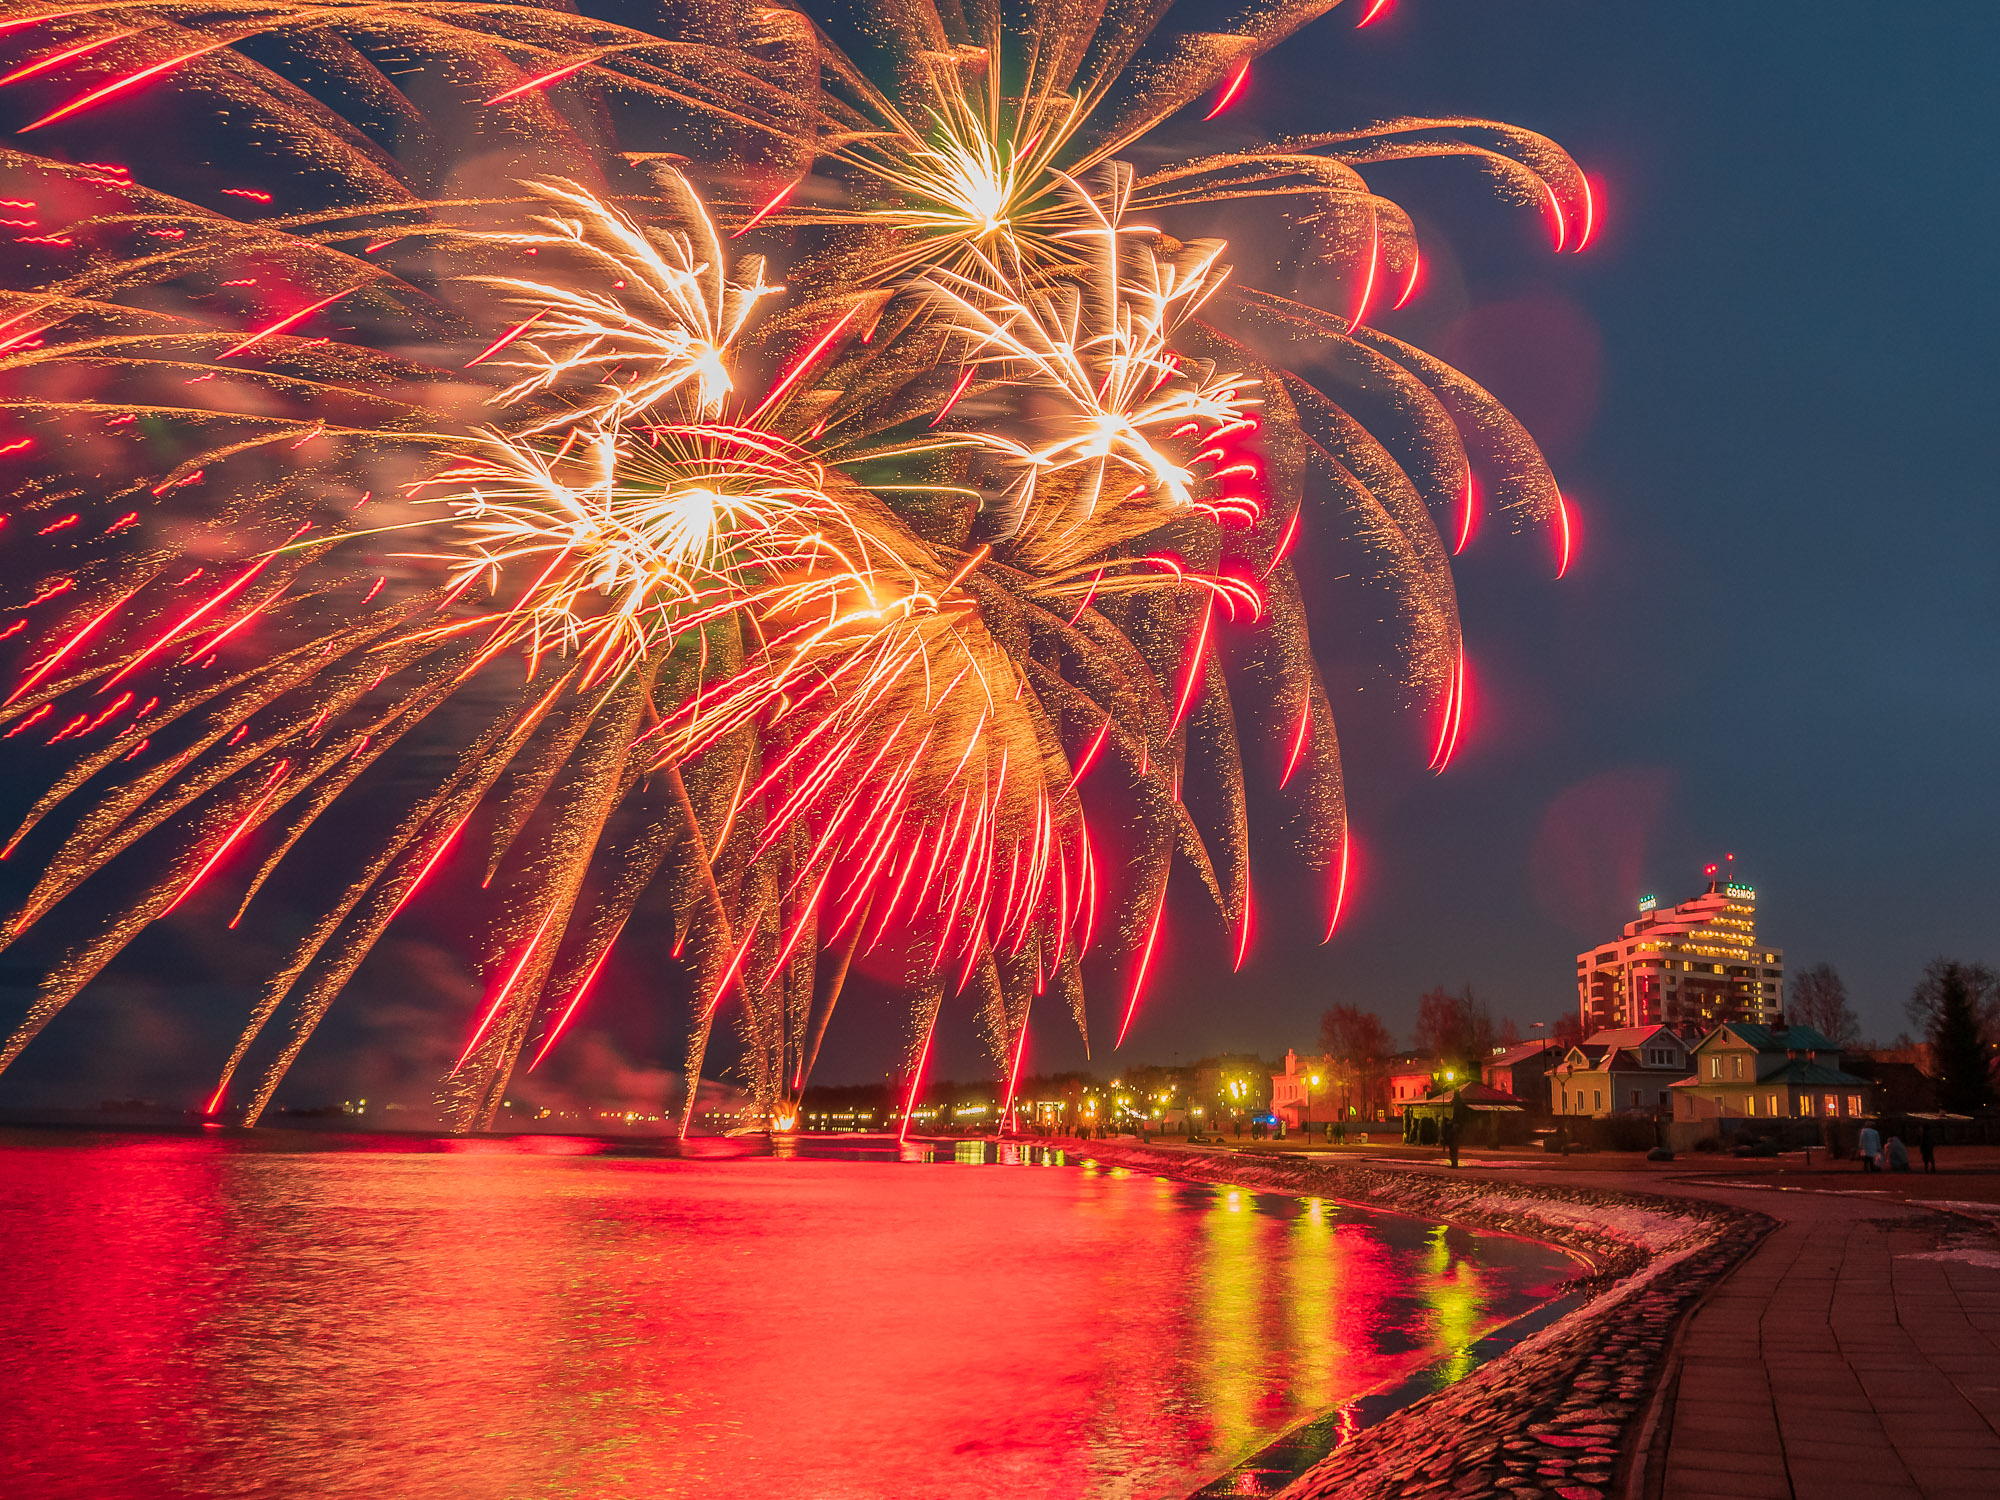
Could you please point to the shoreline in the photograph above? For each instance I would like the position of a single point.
(1566, 1410)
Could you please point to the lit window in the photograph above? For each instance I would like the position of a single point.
(1853, 1105)
(1736, 1066)
(1833, 1106)
(1715, 1067)
(1749, 1104)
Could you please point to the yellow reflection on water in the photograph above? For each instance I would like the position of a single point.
(1456, 1294)
(1233, 1349)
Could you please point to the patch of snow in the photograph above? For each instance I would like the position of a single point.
(1989, 1210)
(1989, 1259)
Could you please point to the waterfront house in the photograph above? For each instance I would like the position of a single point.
(1304, 1091)
(1522, 1071)
(1743, 1071)
(1410, 1075)
(1631, 1068)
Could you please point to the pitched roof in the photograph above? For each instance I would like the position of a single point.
(1776, 1038)
(1628, 1060)
(1796, 1070)
(1477, 1096)
(1508, 1056)
(1624, 1036)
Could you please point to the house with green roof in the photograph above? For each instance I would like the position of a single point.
(1748, 1072)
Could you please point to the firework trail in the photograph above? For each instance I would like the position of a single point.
(472, 469)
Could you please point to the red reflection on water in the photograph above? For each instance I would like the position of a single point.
(198, 1316)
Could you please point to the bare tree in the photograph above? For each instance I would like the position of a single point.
(1819, 1000)
(1357, 1047)
(1458, 1028)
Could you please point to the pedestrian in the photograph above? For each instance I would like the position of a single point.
(1898, 1154)
(1927, 1144)
(1871, 1146)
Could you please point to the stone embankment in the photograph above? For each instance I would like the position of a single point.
(1565, 1413)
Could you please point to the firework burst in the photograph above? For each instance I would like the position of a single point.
(824, 609)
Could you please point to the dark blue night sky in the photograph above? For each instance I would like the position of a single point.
(1764, 387)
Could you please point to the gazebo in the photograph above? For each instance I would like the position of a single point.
(1484, 1108)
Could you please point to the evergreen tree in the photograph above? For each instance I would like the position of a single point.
(1951, 1004)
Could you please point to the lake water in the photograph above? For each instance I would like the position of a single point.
(340, 1317)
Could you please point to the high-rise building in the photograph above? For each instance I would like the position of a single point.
(1691, 966)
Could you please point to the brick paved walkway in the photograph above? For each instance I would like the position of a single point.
(1842, 1361)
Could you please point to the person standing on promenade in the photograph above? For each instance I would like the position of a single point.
(1871, 1146)
(1927, 1144)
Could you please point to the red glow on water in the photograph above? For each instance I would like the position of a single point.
(470, 1322)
